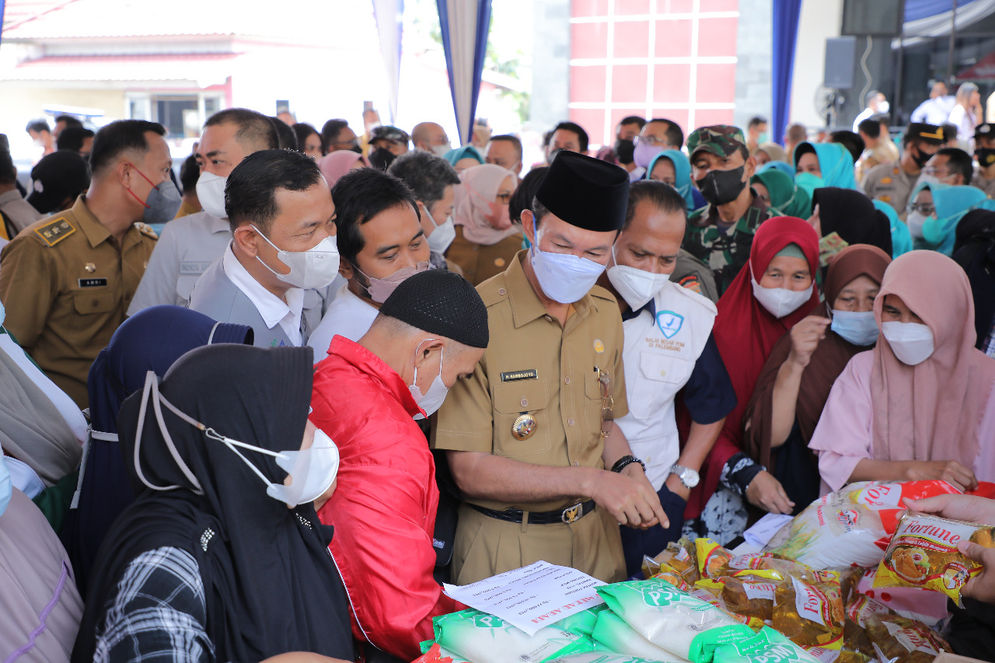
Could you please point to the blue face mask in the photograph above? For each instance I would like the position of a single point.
(5, 485)
(856, 327)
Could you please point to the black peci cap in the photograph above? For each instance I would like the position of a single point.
(585, 192)
(441, 303)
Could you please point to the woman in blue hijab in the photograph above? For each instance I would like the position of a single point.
(819, 165)
(464, 157)
(901, 240)
(150, 340)
(672, 167)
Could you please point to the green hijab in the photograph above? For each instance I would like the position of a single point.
(785, 195)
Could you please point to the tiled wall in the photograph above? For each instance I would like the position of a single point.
(654, 58)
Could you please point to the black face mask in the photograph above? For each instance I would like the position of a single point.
(722, 186)
(986, 156)
(921, 157)
(624, 150)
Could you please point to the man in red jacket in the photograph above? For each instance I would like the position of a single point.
(431, 331)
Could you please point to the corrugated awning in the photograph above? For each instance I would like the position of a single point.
(200, 69)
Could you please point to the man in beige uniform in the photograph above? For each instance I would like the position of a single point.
(545, 471)
(66, 281)
(893, 182)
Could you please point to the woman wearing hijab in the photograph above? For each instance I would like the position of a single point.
(672, 167)
(782, 166)
(222, 556)
(767, 152)
(950, 205)
(844, 217)
(974, 250)
(780, 192)
(150, 340)
(335, 165)
(463, 158)
(823, 164)
(486, 239)
(921, 405)
(901, 240)
(769, 296)
(38, 599)
(793, 387)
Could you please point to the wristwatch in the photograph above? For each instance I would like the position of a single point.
(687, 476)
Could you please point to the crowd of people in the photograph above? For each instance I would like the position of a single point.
(260, 406)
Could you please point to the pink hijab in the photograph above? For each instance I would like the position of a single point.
(336, 164)
(941, 401)
(474, 203)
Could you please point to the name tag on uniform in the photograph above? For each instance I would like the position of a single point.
(91, 283)
(526, 374)
(195, 268)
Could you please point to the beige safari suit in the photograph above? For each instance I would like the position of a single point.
(534, 366)
(479, 262)
(66, 285)
(889, 183)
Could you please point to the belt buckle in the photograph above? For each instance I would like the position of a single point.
(572, 513)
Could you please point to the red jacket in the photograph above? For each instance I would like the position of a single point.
(384, 507)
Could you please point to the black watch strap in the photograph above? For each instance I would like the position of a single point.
(622, 462)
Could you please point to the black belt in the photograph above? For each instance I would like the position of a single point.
(568, 515)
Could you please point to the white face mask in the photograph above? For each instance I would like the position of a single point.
(883, 107)
(440, 150)
(315, 268)
(915, 221)
(432, 399)
(856, 327)
(443, 235)
(637, 286)
(311, 471)
(563, 277)
(211, 194)
(780, 301)
(911, 342)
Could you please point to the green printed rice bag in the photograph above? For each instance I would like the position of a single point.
(616, 635)
(767, 646)
(598, 657)
(582, 622)
(483, 638)
(664, 615)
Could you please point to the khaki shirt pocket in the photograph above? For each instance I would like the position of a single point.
(517, 399)
(88, 303)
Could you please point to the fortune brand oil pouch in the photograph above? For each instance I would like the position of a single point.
(483, 638)
(851, 525)
(664, 615)
(902, 640)
(923, 553)
(751, 593)
(810, 613)
(681, 557)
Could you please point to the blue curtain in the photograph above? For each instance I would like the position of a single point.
(785, 36)
(1, 19)
(465, 24)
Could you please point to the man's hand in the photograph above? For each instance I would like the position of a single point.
(982, 586)
(969, 508)
(677, 487)
(628, 497)
(805, 337)
(767, 493)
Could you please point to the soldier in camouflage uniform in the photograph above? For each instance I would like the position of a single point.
(721, 232)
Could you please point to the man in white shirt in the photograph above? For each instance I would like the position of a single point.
(381, 241)
(283, 243)
(189, 244)
(877, 104)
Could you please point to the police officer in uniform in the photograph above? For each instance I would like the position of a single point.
(893, 182)
(546, 472)
(668, 349)
(67, 280)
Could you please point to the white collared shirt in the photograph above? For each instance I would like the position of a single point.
(273, 310)
(347, 316)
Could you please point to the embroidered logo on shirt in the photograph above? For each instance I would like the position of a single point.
(669, 323)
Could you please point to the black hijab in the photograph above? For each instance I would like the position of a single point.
(974, 250)
(853, 217)
(269, 582)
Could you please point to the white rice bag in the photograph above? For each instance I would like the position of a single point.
(483, 638)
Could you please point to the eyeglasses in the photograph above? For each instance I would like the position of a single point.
(933, 171)
(649, 140)
(926, 209)
(503, 197)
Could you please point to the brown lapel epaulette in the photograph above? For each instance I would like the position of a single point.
(55, 231)
(146, 230)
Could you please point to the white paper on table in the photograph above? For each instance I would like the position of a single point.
(765, 529)
(531, 597)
